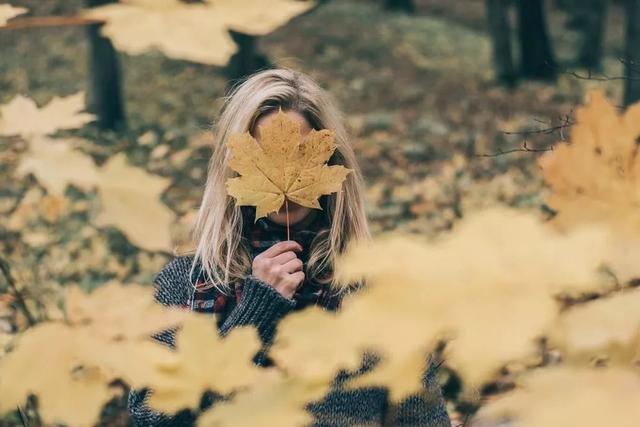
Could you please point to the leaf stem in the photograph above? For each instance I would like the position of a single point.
(286, 208)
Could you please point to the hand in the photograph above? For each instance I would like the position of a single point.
(280, 267)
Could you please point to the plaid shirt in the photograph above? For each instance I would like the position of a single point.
(258, 237)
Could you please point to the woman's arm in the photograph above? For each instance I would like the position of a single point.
(261, 306)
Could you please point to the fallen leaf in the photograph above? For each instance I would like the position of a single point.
(130, 200)
(21, 116)
(274, 400)
(568, 396)
(192, 31)
(7, 12)
(56, 164)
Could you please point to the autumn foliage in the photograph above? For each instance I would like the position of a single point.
(503, 290)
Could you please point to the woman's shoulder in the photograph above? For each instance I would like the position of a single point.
(173, 282)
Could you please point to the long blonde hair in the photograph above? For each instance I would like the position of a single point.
(218, 229)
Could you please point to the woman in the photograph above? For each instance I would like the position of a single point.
(246, 273)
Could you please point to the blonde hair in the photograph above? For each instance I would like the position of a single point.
(218, 229)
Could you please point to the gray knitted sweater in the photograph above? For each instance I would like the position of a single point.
(262, 306)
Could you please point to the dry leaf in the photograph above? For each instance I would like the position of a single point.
(56, 164)
(22, 116)
(192, 31)
(596, 178)
(283, 166)
(481, 286)
(130, 199)
(274, 400)
(297, 339)
(204, 361)
(114, 311)
(7, 12)
(47, 362)
(608, 328)
(567, 396)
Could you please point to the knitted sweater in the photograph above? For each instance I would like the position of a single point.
(262, 306)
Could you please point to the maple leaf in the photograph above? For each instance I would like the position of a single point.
(490, 295)
(130, 199)
(596, 177)
(120, 312)
(21, 116)
(274, 400)
(322, 358)
(7, 12)
(607, 328)
(59, 378)
(196, 32)
(283, 166)
(203, 361)
(568, 396)
(45, 158)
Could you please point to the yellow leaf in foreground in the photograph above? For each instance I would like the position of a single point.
(297, 340)
(7, 12)
(55, 163)
(488, 286)
(130, 199)
(204, 361)
(22, 116)
(196, 32)
(564, 396)
(48, 362)
(608, 328)
(597, 176)
(283, 165)
(274, 400)
(114, 311)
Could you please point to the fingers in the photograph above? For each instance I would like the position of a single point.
(284, 258)
(296, 278)
(280, 247)
(292, 266)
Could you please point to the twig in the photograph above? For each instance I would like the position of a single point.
(49, 21)
(22, 305)
(23, 417)
(524, 148)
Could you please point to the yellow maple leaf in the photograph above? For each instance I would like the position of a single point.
(45, 159)
(7, 12)
(480, 287)
(596, 177)
(22, 116)
(283, 166)
(568, 396)
(120, 312)
(274, 400)
(130, 200)
(59, 378)
(203, 361)
(196, 32)
(605, 329)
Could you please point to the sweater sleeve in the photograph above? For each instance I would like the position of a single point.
(427, 408)
(261, 306)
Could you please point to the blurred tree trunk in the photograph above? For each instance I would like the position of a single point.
(406, 6)
(536, 53)
(246, 60)
(498, 22)
(632, 53)
(589, 17)
(104, 93)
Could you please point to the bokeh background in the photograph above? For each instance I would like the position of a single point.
(449, 103)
